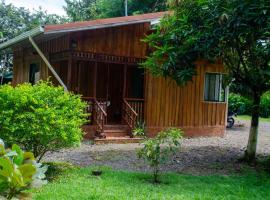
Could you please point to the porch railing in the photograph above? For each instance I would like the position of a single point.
(129, 115)
(97, 112)
(99, 115)
(138, 107)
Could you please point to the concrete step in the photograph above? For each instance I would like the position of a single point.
(117, 140)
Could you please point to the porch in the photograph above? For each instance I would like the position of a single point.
(112, 86)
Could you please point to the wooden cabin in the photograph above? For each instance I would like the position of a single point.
(100, 59)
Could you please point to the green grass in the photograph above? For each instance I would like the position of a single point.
(114, 185)
(248, 118)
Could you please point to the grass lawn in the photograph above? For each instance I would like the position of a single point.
(114, 185)
(248, 118)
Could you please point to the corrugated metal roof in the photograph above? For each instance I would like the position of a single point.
(86, 25)
(103, 23)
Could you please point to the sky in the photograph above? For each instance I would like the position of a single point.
(52, 6)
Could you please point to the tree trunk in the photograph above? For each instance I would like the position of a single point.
(250, 153)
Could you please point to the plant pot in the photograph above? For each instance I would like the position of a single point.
(96, 172)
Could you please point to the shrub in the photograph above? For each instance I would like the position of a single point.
(41, 117)
(19, 171)
(139, 129)
(242, 105)
(239, 104)
(265, 105)
(157, 150)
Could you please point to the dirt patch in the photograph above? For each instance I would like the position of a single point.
(210, 155)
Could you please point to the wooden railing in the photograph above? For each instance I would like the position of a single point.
(99, 115)
(97, 112)
(138, 106)
(130, 115)
(89, 109)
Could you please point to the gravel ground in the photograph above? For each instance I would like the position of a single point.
(212, 155)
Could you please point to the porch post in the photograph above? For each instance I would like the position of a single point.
(95, 80)
(69, 73)
(125, 81)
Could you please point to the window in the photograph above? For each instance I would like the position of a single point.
(34, 73)
(214, 89)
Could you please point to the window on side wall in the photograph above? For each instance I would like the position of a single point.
(214, 88)
(34, 73)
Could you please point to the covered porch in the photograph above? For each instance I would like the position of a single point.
(113, 87)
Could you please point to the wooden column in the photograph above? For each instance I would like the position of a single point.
(95, 80)
(125, 81)
(69, 73)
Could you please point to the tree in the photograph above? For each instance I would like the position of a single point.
(14, 21)
(233, 31)
(79, 10)
(156, 151)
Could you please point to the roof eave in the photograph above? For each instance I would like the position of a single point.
(101, 26)
(32, 33)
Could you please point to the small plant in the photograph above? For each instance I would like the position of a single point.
(157, 150)
(139, 129)
(19, 171)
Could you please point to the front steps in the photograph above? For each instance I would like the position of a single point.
(118, 134)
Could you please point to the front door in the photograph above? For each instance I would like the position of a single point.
(115, 93)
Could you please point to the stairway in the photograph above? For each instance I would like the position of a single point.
(116, 134)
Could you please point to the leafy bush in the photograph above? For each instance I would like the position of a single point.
(139, 129)
(265, 105)
(157, 150)
(41, 117)
(239, 104)
(242, 105)
(19, 171)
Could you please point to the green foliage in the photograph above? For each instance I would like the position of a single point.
(265, 105)
(14, 21)
(41, 117)
(94, 9)
(239, 104)
(139, 129)
(243, 105)
(157, 150)
(237, 32)
(19, 171)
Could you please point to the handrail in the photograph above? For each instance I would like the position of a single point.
(129, 115)
(129, 106)
(100, 117)
(99, 106)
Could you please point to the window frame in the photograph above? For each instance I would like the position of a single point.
(221, 74)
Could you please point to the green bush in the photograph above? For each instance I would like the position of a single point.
(239, 104)
(157, 150)
(242, 105)
(19, 171)
(265, 105)
(41, 117)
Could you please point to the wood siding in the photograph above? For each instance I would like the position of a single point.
(120, 41)
(169, 105)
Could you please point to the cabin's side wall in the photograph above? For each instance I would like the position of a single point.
(24, 56)
(168, 105)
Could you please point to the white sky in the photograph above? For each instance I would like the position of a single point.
(52, 6)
